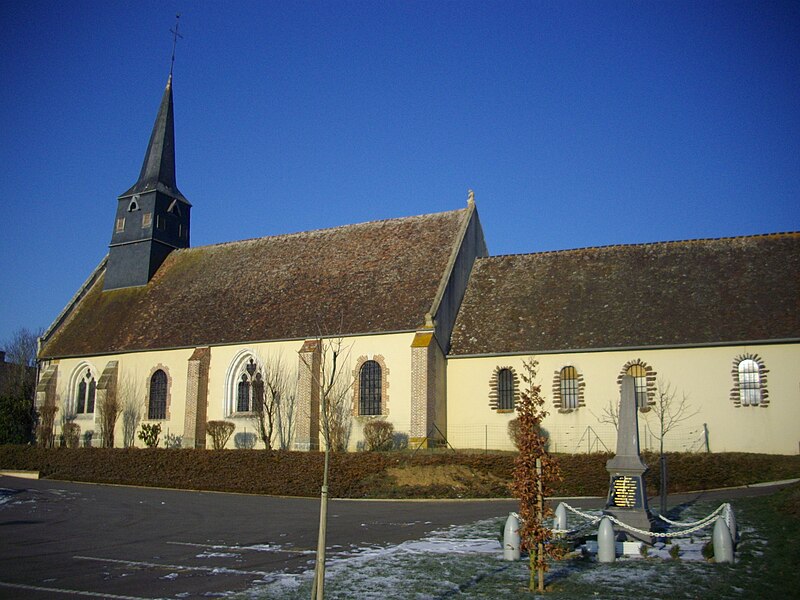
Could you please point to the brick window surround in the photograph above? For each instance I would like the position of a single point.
(384, 385)
(650, 381)
(494, 389)
(558, 401)
(737, 392)
(165, 370)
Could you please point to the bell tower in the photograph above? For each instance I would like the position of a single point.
(152, 216)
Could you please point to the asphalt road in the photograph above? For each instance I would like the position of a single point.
(67, 540)
(71, 540)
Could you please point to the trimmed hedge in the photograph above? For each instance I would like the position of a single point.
(365, 474)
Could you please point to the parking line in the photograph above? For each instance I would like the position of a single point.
(133, 563)
(38, 588)
(253, 548)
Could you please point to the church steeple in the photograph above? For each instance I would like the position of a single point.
(158, 168)
(152, 216)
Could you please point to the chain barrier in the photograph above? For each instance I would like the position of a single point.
(693, 523)
(693, 527)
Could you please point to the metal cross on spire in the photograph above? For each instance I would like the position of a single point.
(175, 36)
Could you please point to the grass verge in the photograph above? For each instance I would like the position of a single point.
(466, 562)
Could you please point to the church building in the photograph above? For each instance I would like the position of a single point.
(433, 331)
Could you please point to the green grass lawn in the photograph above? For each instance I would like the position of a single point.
(466, 562)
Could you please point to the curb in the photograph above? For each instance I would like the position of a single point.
(20, 474)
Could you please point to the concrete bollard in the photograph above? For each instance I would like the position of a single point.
(560, 521)
(723, 543)
(732, 528)
(606, 544)
(511, 538)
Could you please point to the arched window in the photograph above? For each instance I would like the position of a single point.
(639, 375)
(85, 393)
(248, 387)
(569, 387)
(749, 382)
(243, 394)
(505, 389)
(157, 406)
(369, 389)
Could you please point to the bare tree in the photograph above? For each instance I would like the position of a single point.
(285, 411)
(68, 425)
(109, 409)
(21, 350)
(22, 347)
(339, 416)
(669, 411)
(273, 397)
(334, 388)
(609, 414)
(45, 429)
(132, 399)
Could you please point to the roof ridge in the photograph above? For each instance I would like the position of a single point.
(323, 230)
(640, 244)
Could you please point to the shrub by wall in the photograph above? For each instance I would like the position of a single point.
(370, 474)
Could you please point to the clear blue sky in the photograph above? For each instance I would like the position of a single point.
(576, 123)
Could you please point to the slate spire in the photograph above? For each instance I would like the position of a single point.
(152, 217)
(158, 168)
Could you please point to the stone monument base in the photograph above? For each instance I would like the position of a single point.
(627, 502)
(635, 518)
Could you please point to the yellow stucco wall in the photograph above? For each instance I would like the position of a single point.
(137, 369)
(703, 374)
(394, 348)
(396, 351)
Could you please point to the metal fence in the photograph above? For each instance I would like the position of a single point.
(600, 437)
(569, 439)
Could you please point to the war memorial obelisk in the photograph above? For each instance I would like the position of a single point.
(627, 497)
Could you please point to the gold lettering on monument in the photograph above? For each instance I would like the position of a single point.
(625, 492)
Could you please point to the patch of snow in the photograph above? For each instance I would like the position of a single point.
(442, 561)
(274, 548)
(208, 554)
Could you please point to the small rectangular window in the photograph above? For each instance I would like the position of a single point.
(120, 224)
(159, 222)
(147, 220)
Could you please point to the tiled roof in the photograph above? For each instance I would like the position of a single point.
(672, 293)
(372, 277)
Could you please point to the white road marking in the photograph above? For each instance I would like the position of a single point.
(38, 588)
(252, 548)
(132, 563)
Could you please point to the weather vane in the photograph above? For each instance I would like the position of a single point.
(175, 36)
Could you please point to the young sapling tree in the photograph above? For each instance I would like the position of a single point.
(534, 476)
